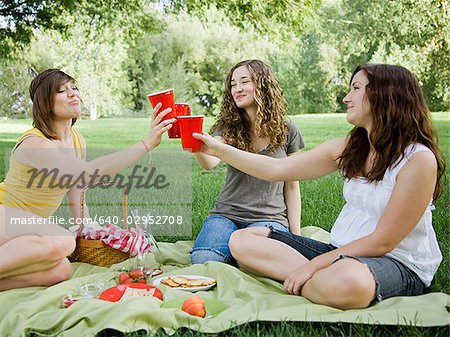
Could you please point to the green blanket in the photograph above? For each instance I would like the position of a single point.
(238, 298)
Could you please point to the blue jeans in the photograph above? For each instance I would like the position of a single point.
(211, 243)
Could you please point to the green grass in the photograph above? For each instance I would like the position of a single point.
(302, 329)
(321, 203)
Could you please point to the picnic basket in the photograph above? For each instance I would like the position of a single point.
(95, 251)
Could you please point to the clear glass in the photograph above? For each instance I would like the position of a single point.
(149, 262)
(92, 289)
(84, 292)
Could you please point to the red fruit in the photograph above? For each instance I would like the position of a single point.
(128, 281)
(194, 306)
(136, 273)
(123, 277)
(141, 280)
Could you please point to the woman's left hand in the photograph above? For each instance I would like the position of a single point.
(295, 281)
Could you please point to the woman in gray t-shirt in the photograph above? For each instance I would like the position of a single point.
(252, 118)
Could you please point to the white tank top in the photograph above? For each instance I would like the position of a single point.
(365, 203)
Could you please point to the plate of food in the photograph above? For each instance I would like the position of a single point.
(190, 283)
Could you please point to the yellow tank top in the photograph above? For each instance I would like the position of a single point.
(40, 198)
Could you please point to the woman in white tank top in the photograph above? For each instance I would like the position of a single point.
(382, 243)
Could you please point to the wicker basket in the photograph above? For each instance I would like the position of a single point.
(95, 251)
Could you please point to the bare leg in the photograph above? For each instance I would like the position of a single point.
(58, 273)
(346, 284)
(32, 254)
(255, 252)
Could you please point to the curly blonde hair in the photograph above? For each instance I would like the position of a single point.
(234, 123)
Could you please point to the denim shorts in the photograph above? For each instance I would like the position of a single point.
(392, 277)
(211, 243)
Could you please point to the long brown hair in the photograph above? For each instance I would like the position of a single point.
(233, 122)
(43, 89)
(400, 117)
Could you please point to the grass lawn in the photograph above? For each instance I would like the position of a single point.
(321, 203)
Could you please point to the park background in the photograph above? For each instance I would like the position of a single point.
(121, 51)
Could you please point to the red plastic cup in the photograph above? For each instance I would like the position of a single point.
(181, 109)
(189, 125)
(167, 100)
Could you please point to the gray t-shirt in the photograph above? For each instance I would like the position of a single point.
(246, 199)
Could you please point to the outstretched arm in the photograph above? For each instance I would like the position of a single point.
(317, 162)
(42, 154)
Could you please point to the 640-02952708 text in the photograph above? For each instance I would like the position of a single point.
(102, 220)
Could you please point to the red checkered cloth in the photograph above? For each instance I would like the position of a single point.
(130, 240)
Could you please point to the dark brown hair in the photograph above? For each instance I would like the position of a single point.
(400, 117)
(233, 122)
(43, 89)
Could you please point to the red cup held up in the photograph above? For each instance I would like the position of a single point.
(189, 125)
(181, 109)
(167, 100)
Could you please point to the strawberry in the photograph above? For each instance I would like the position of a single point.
(136, 273)
(123, 277)
(128, 281)
(142, 280)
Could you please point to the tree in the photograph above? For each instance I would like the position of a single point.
(193, 57)
(93, 56)
(15, 80)
(412, 33)
(19, 18)
(275, 17)
(307, 70)
(121, 51)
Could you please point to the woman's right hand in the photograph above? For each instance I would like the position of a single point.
(157, 128)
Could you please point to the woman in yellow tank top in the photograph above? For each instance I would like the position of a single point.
(33, 250)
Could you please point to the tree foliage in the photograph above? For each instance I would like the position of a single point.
(193, 57)
(120, 51)
(91, 51)
(275, 17)
(20, 18)
(412, 33)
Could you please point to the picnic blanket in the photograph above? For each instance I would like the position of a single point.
(244, 298)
